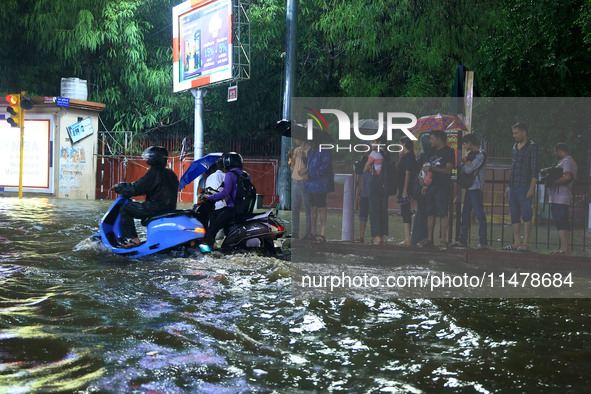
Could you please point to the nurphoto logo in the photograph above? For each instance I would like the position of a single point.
(392, 123)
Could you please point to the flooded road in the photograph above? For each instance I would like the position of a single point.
(74, 318)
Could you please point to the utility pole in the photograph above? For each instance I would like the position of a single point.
(284, 182)
(198, 145)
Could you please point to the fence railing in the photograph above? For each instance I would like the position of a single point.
(544, 234)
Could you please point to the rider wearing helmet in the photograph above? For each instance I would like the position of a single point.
(160, 186)
(223, 217)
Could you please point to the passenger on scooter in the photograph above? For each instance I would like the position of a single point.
(159, 185)
(215, 181)
(223, 217)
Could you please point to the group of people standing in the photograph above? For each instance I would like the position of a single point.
(427, 179)
(521, 190)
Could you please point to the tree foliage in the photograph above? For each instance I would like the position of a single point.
(344, 48)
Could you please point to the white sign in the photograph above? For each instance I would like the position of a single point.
(232, 93)
(80, 130)
(35, 151)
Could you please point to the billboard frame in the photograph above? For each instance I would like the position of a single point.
(238, 43)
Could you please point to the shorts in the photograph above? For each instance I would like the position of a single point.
(363, 208)
(317, 200)
(519, 205)
(561, 216)
(437, 201)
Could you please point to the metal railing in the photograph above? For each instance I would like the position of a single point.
(544, 234)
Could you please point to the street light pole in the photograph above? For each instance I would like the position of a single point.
(198, 145)
(284, 182)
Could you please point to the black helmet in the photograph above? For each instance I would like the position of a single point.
(232, 160)
(156, 156)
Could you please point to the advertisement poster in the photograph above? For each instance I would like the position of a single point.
(204, 43)
(35, 154)
(72, 161)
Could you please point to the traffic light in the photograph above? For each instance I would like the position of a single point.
(26, 103)
(15, 110)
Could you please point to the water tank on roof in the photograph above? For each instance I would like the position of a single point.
(74, 88)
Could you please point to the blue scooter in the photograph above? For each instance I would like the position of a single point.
(173, 230)
(168, 231)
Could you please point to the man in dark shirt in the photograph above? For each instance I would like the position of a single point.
(440, 162)
(522, 184)
(160, 186)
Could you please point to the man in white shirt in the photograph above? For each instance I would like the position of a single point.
(561, 195)
(216, 182)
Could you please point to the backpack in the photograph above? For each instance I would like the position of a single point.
(467, 180)
(246, 195)
(389, 177)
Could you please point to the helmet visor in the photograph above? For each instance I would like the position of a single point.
(147, 153)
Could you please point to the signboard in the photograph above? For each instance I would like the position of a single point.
(72, 163)
(62, 102)
(36, 154)
(80, 130)
(202, 43)
(232, 93)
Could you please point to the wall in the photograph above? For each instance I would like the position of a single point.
(75, 165)
(112, 170)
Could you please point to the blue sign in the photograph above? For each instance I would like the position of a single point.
(62, 102)
(80, 130)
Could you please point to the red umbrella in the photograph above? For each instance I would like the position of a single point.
(439, 122)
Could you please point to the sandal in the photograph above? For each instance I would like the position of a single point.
(404, 244)
(509, 247)
(358, 241)
(560, 252)
(319, 239)
(442, 246)
(522, 248)
(426, 243)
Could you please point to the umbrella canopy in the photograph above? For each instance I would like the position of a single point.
(197, 168)
(439, 122)
(300, 131)
(291, 129)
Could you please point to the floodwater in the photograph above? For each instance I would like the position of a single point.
(74, 318)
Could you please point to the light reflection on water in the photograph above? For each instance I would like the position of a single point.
(75, 318)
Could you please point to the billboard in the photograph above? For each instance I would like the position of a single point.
(202, 43)
(36, 161)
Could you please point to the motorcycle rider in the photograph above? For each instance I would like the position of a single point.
(160, 186)
(223, 217)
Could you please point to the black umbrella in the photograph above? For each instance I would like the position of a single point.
(288, 128)
(293, 129)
